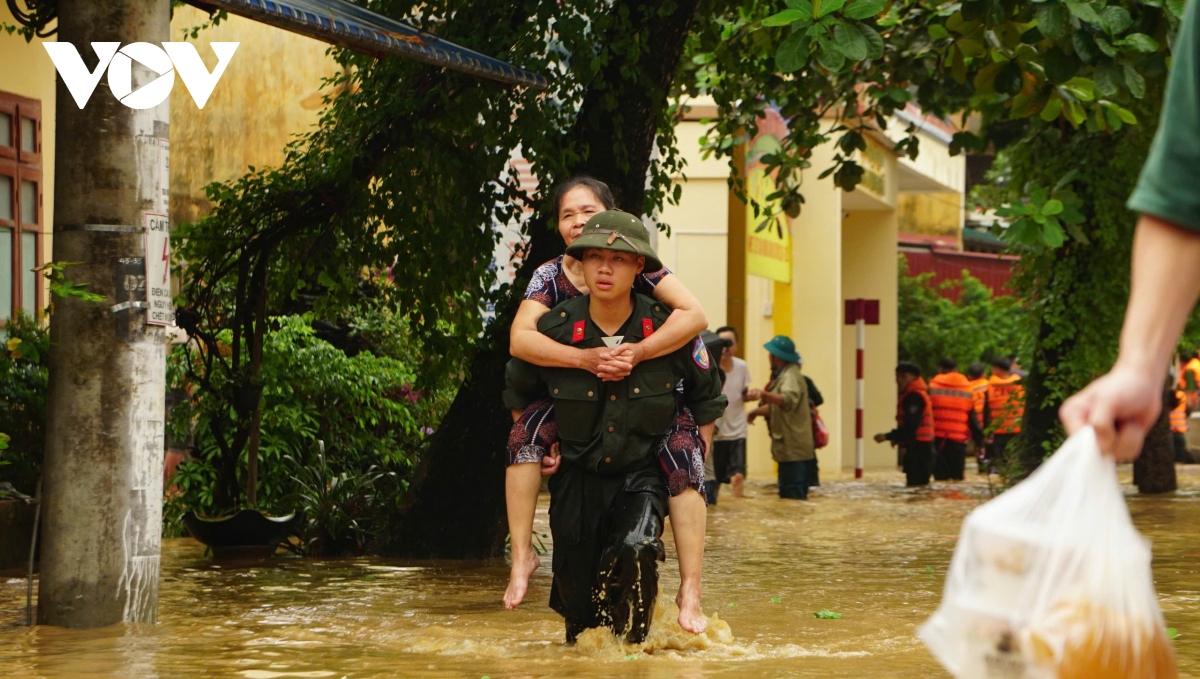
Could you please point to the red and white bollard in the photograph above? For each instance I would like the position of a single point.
(860, 313)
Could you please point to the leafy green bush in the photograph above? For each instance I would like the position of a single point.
(979, 327)
(342, 511)
(363, 407)
(24, 376)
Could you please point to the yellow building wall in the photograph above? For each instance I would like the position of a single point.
(28, 72)
(695, 248)
(933, 213)
(843, 246)
(269, 93)
(869, 271)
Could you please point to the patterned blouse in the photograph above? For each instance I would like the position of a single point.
(551, 287)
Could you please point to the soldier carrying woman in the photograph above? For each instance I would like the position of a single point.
(625, 404)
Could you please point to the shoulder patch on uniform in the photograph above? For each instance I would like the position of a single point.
(700, 354)
(647, 327)
(577, 332)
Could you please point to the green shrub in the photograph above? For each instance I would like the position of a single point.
(364, 408)
(24, 376)
(979, 327)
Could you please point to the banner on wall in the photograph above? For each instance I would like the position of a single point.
(768, 232)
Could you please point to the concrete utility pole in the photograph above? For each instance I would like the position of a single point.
(104, 443)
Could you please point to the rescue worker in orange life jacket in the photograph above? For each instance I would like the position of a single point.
(979, 386)
(914, 425)
(1189, 380)
(954, 421)
(1179, 425)
(1002, 415)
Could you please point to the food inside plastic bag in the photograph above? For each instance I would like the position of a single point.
(1050, 580)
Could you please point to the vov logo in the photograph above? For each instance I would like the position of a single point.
(172, 57)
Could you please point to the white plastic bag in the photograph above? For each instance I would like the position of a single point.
(1050, 580)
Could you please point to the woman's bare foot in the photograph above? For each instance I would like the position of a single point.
(691, 619)
(518, 580)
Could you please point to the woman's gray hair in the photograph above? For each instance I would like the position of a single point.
(597, 187)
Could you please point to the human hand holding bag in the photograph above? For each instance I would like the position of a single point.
(1051, 580)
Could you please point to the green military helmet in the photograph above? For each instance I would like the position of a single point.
(616, 230)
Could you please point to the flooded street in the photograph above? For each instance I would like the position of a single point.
(874, 552)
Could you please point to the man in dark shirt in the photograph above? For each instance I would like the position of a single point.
(608, 499)
(914, 425)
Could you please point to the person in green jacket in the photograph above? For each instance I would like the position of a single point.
(608, 499)
(785, 404)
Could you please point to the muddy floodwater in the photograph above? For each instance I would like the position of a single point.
(872, 551)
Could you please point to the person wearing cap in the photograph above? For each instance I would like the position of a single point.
(608, 499)
(729, 441)
(717, 345)
(914, 430)
(786, 406)
(533, 438)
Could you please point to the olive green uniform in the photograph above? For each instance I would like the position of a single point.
(608, 500)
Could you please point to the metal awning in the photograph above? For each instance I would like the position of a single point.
(342, 23)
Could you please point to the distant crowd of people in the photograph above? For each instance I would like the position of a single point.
(942, 421)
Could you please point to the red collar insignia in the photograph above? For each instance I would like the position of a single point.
(647, 327)
(577, 332)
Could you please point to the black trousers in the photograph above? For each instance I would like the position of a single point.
(949, 463)
(794, 479)
(605, 570)
(918, 463)
(1181, 447)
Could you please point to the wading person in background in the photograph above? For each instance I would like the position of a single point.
(914, 425)
(1003, 410)
(954, 421)
(979, 385)
(729, 443)
(534, 432)
(815, 400)
(789, 418)
(1189, 380)
(1165, 274)
(1179, 425)
(715, 344)
(608, 499)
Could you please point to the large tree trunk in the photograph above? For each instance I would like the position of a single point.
(1154, 470)
(455, 506)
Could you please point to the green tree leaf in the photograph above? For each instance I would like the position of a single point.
(1051, 18)
(827, 7)
(1134, 81)
(1025, 105)
(1083, 11)
(1107, 78)
(1052, 207)
(1082, 88)
(1115, 19)
(1053, 234)
(1052, 109)
(850, 42)
(789, 16)
(1139, 41)
(985, 79)
(875, 44)
(793, 53)
(1085, 47)
(830, 55)
(1008, 79)
(1060, 66)
(865, 9)
(1176, 7)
